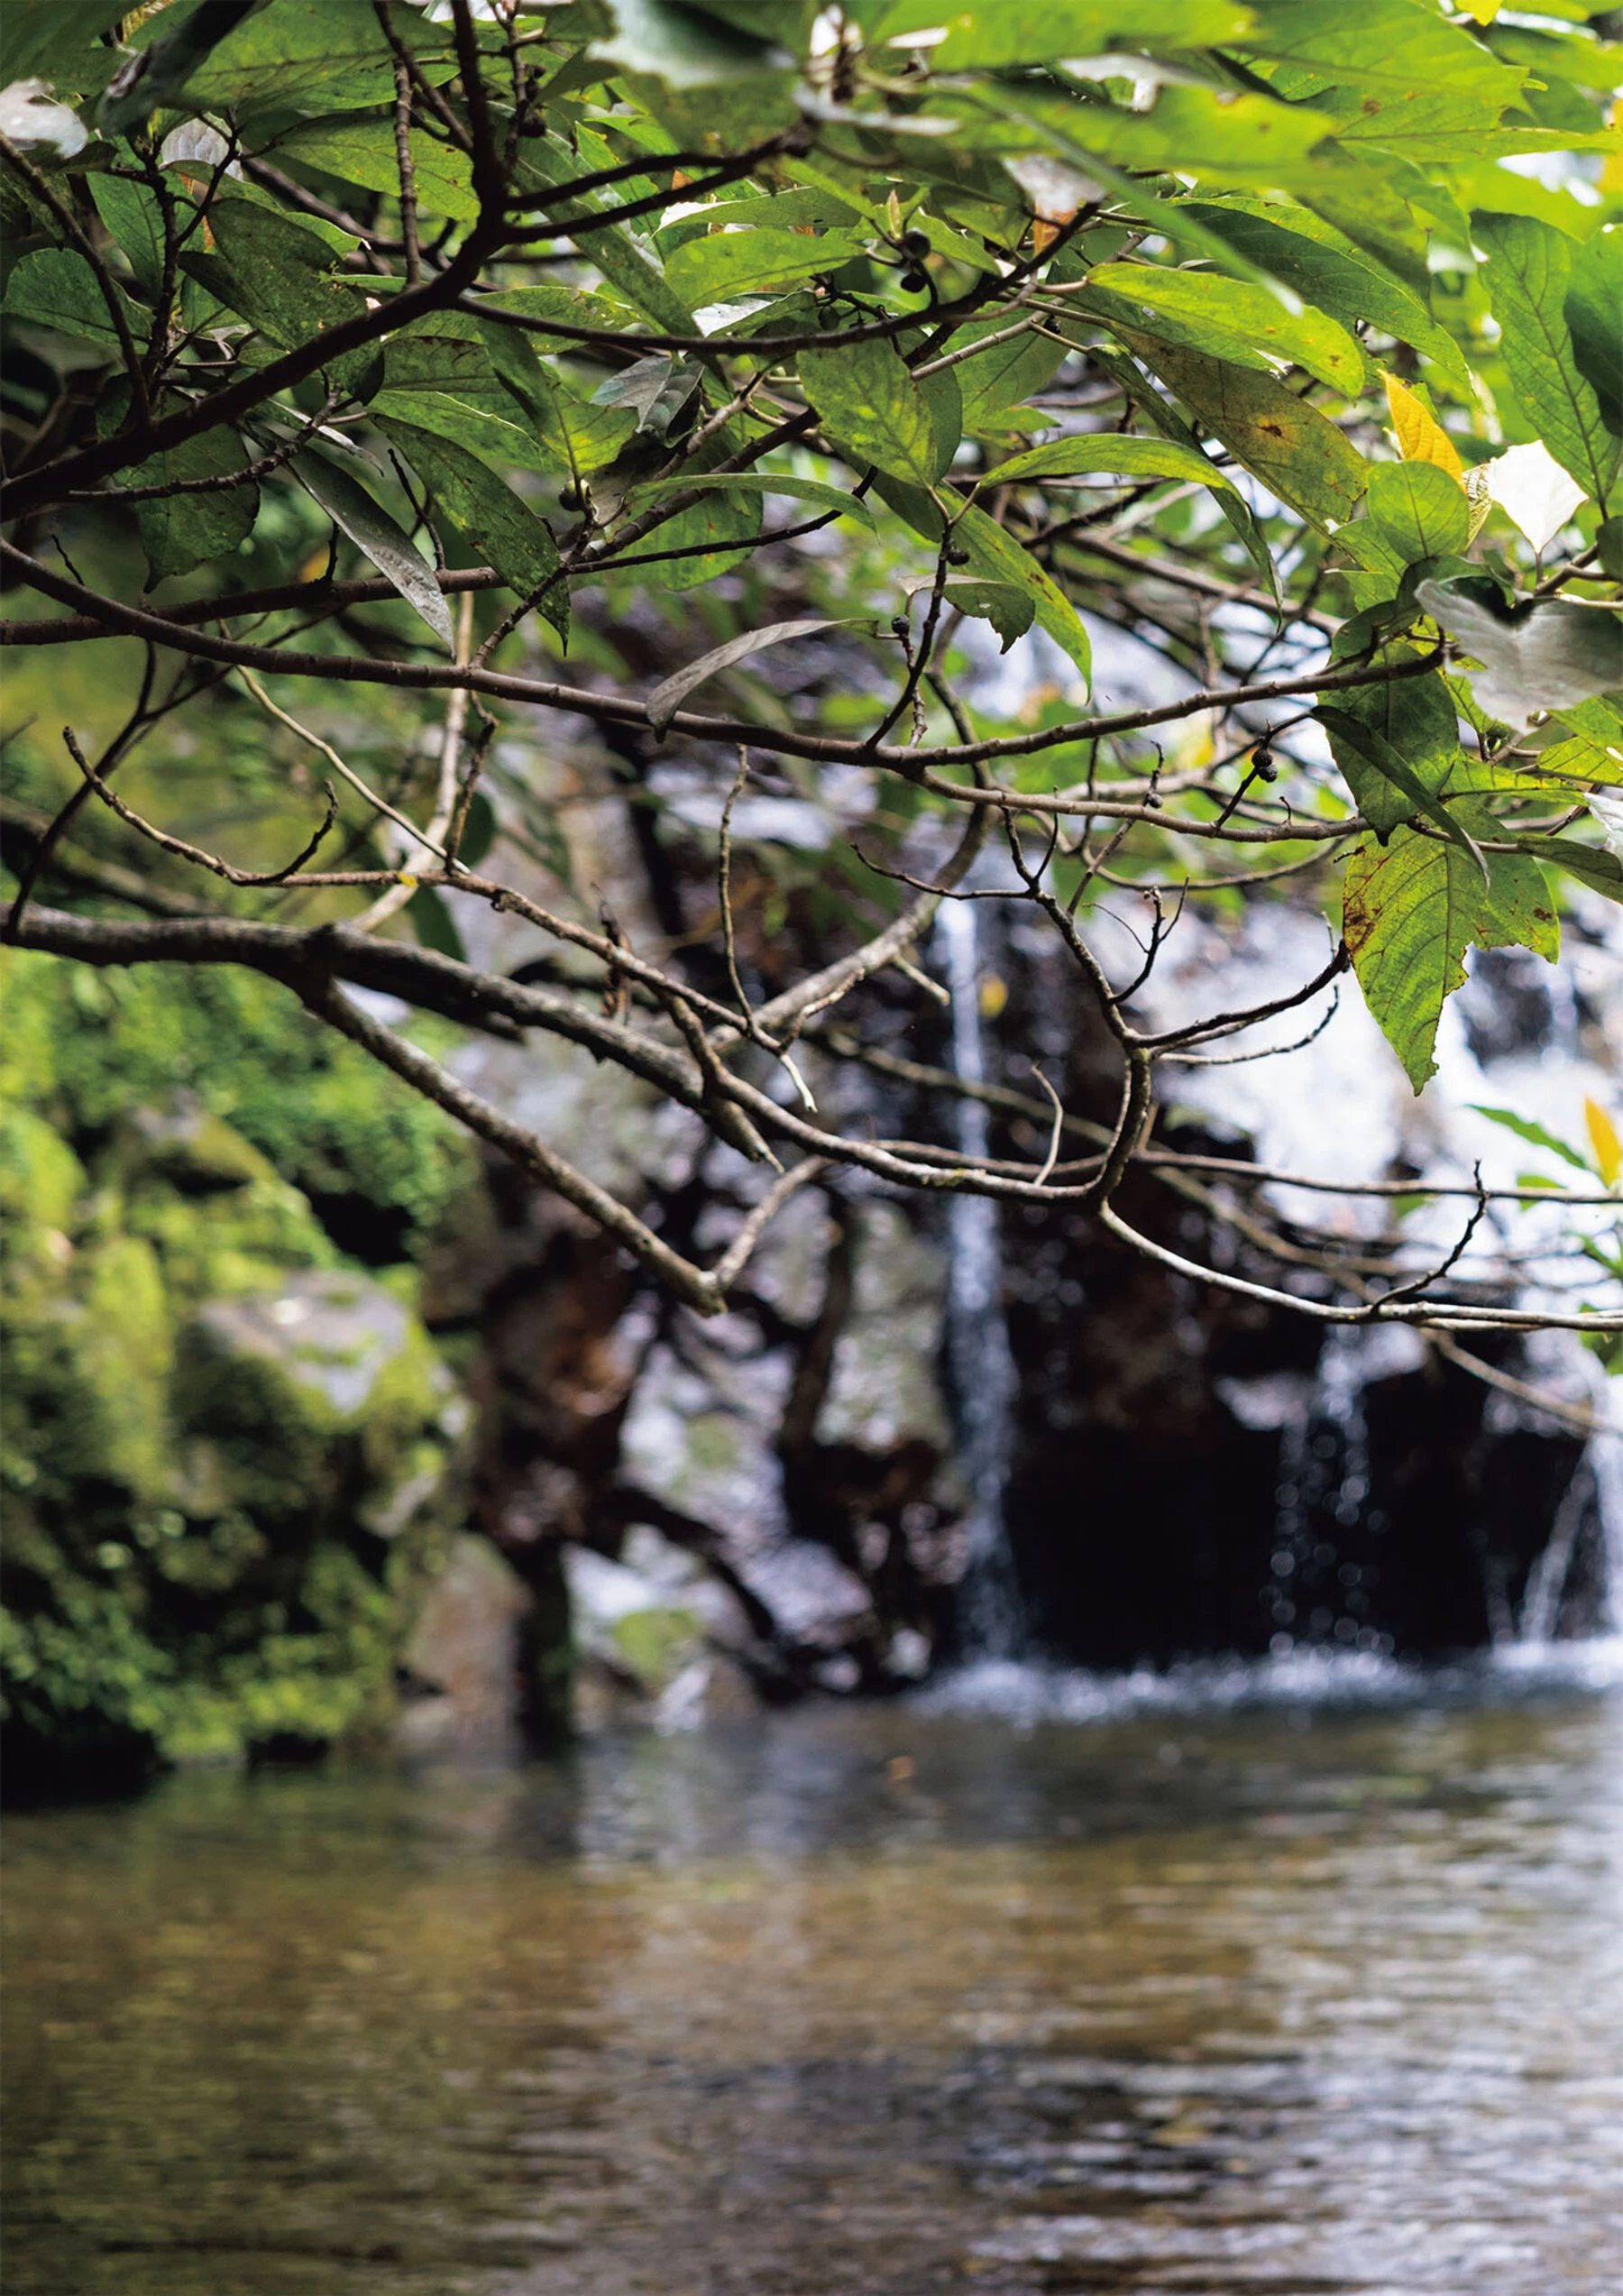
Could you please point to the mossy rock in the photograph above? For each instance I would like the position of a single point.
(227, 1451)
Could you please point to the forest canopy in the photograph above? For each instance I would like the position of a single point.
(735, 382)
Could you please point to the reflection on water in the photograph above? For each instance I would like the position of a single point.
(861, 2003)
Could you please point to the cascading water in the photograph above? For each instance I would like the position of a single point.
(982, 1367)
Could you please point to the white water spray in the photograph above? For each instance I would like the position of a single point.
(984, 1378)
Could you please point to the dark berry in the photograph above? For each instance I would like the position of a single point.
(957, 556)
(570, 499)
(901, 625)
(915, 243)
(914, 281)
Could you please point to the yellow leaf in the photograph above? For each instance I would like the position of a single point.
(1421, 438)
(993, 996)
(1611, 174)
(1604, 1141)
(1481, 12)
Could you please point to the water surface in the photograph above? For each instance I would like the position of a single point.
(853, 2003)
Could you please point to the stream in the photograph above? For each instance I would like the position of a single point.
(1216, 1991)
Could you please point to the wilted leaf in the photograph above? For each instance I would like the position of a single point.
(372, 529)
(1009, 610)
(489, 515)
(1537, 656)
(1603, 1139)
(1533, 491)
(30, 120)
(669, 694)
(657, 390)
(814, 490)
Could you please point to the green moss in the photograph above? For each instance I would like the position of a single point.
(224, 1446)
(655, 1645)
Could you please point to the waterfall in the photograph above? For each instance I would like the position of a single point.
(979, 1358)
(1546, 1580)
(1323, 1489)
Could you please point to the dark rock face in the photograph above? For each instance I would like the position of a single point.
(1193, 1472)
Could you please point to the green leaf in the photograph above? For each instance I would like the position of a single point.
(1388, 765)
(738, 262)
(361, 150)
(1420, 509)
(187, 530)
(998, 558)
(1409, 910)
(563, 306)
(670, 694)
(1219, 310)
(278, 276)
(866, 397)
(497, 441)
(577, 435)
(1330, 271)
(1528, 269)
(1115, 451)
(43, 39)
(763, 482)
(1540, 656)
(136, 222)
(684, 45)
(1412, 718)
(1392, 73)
(372, 529)
(298, 53)
(434, 924)
(994, 382)
(623, 259)
(1593, 311)
(56, 288)
(1034, 31)
(489, 515)
(1592, 865)
(1298, 455)
(1534, 1135)
(156, 74)
(1235, 509)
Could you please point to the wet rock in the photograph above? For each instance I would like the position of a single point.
(654, 1636)
(463, 1654)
